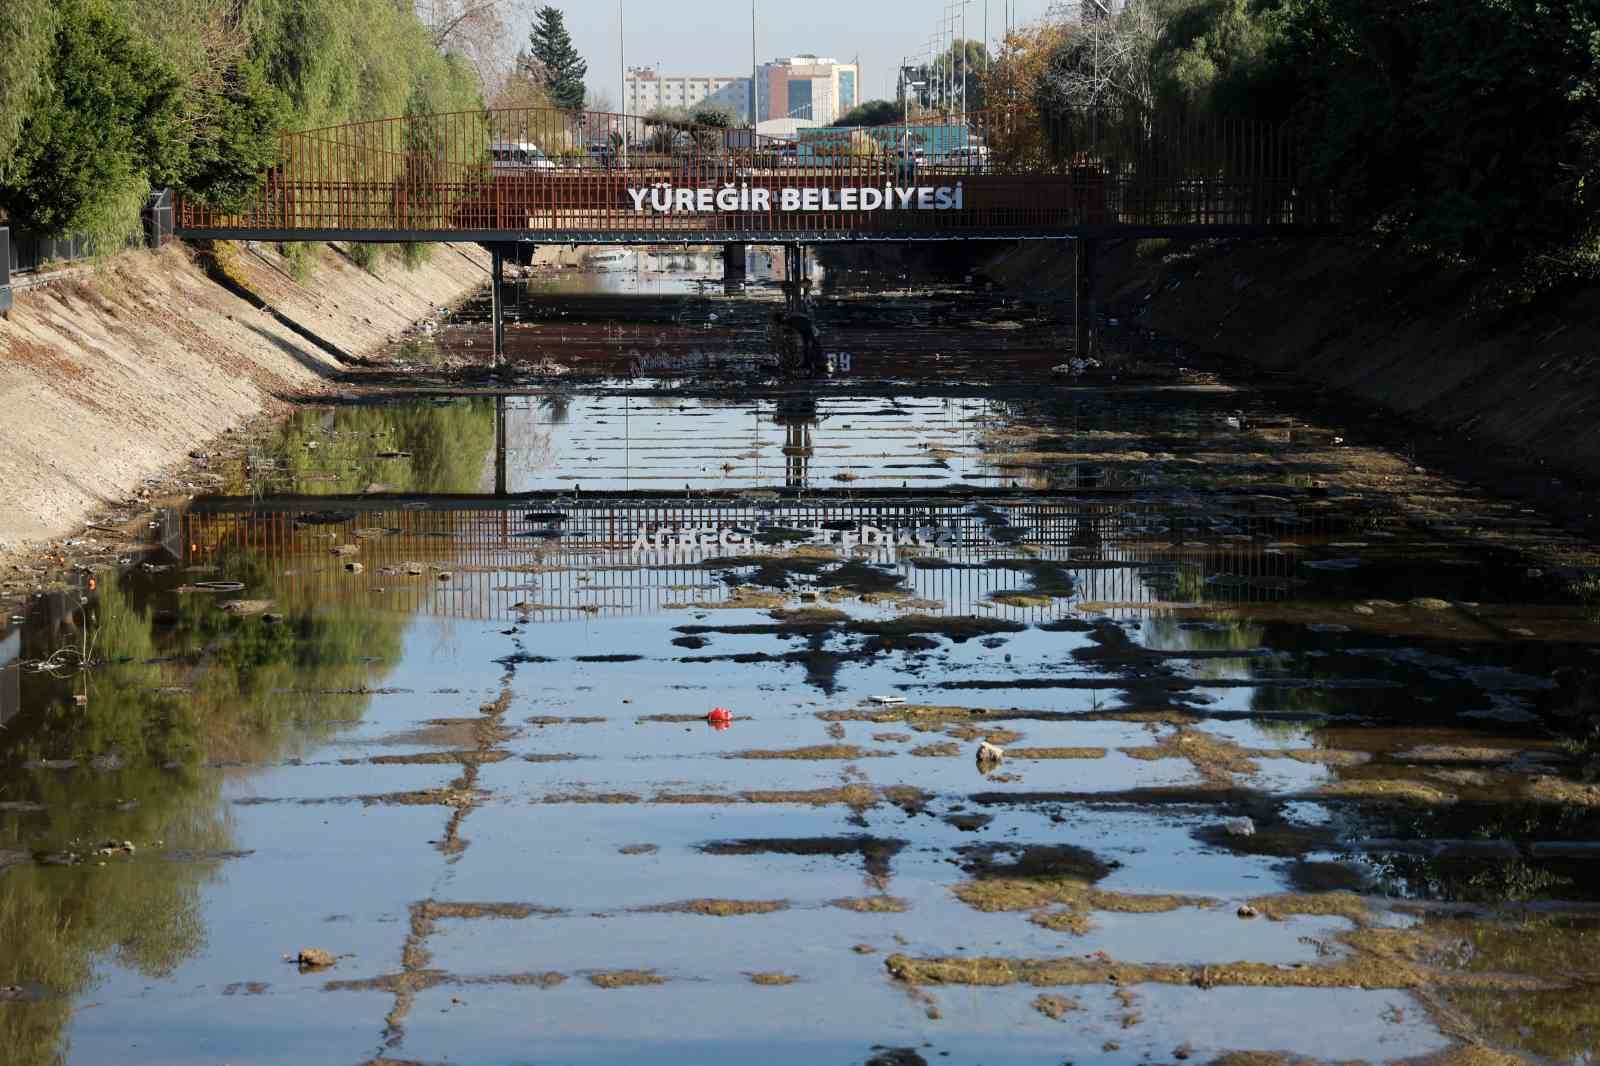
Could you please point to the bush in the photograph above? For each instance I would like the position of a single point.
(366, 256)
(413, 254)
(301, 257)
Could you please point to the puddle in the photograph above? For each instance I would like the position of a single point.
(425, 682)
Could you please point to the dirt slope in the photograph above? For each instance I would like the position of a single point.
(108, 376)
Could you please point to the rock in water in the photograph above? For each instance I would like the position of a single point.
(990, 756)
(313, 959)
(1239, 827)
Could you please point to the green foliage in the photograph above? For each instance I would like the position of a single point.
(718, 116)
(103, 119)
(1472, 126)
(366, 256)
(101, 100)
(414, 254)
(964, 63)
(26, 34)
(1219, 57)
(872, 113)
(301, 257)
(558, 62)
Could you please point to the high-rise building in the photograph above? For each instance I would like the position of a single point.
(644, 89)
(807, 86)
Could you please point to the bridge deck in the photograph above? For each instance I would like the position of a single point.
(434, 178)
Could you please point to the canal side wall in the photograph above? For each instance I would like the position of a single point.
(1406, 336)
(110, 376)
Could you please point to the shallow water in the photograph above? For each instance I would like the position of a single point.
(437, 707)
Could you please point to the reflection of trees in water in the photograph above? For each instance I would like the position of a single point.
(445, 446)
(249, 693)
(1560, 1025)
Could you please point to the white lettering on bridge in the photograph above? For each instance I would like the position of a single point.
(664, 198)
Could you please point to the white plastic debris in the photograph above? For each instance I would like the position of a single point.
(888, 699)
(1239, 827)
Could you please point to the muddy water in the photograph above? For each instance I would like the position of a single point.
(1288, 724)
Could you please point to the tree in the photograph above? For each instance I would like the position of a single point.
(102, 118)
(872, 113)
(1107, 61)
(475, 30)
(26, 33)
(1468, 125)
(557, 61)
(943, 80)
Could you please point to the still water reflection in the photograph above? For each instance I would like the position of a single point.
(426, 702)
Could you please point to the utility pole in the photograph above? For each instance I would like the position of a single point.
(965, 58)
(622, 107)
(755, 115)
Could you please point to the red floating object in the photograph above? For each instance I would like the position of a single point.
(719, 714)
(721, 726)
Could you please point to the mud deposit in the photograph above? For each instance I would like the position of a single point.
(1295, 752)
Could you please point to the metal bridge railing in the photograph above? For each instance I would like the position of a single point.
(533, 171)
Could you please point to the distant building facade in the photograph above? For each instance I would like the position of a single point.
(818, 88)
(644, 89)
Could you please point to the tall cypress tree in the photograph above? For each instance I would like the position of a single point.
(559, 63)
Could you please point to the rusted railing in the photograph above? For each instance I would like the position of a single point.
(535, 173)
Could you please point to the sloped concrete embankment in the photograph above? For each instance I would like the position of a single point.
(1402, 335)
(109, 376)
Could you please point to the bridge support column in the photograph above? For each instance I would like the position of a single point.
(733, 261)
(1083, 302)
(500, 479)
(497, 304)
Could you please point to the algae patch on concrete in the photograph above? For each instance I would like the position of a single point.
(1055, 1007)
(773, 978)
(626, 978)
(813, 751)
(717, 908)
(1055, 753)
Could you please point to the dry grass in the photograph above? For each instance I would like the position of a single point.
(625, 978)
(1031, 893)
(718, 908)
(1216, 759)
(773, 978)
(1392, 790)
(856, 797)
(1022, 599)
(872, 904)
(1055, 1007)
(1548, 789)
(813, 751)
(1342, 904)
(1055, 753)
(994, 735)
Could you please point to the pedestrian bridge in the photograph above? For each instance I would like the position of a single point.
(535, 176)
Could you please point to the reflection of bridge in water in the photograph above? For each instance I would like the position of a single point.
(569, 557)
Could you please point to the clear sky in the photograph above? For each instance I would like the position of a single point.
(713, 36)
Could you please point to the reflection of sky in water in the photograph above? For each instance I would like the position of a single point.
(626, 441)
(254, 744)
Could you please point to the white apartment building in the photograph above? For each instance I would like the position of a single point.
(644, 89)
(805, 86)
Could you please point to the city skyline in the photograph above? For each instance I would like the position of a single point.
(876, 37)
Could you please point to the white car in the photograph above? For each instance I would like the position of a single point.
(518, 155)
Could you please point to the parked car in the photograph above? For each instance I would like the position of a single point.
(602, 155)
(511, 156)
